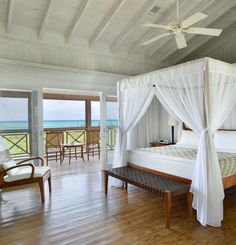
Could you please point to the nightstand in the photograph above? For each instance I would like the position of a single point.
(157, 144)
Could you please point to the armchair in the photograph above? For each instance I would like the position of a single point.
(23, 172)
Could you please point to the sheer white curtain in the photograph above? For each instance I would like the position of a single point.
(207, 186)
(185, 97)
(133, 103)
(147, 129)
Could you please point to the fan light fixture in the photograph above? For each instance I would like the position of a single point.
(179, 27)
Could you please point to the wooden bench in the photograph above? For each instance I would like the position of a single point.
(152, 183)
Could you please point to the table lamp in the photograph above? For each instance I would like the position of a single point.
(172, 122)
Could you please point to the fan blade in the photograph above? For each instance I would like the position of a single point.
(180, 41)
(193, 19)
(203, 31)
(157, 26)
(156, 38)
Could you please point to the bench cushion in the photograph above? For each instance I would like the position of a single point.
(25, 172)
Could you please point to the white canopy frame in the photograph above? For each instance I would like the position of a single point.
(201, 94)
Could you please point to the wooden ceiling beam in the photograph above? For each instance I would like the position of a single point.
(213, 45)
(11, 4)
(129, 28)
(45, 18)
(77, 19)
(106, 21)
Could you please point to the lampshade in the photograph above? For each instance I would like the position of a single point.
(171, 121)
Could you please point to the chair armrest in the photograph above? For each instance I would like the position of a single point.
(22, 165)
(32, 158)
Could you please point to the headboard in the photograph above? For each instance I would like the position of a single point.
(185, 127)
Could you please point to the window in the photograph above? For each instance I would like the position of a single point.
(95, 113)
(112, 114)
(14, 113)
(64, 113)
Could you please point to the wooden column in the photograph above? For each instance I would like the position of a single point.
(103, 131)
(88, 113)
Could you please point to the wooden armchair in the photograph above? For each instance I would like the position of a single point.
(93, 143)
(25, 173)
(22, 173)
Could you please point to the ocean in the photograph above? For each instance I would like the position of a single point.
(12, 125)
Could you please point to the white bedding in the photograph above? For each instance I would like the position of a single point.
(177, 160)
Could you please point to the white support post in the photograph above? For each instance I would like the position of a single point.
(103, 131)
(37, 123)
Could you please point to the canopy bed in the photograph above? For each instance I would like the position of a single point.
(200, 93)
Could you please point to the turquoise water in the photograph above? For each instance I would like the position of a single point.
(8, 125)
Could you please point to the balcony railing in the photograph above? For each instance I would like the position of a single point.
(19, 141)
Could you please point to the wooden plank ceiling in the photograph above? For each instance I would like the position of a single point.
(113, 27)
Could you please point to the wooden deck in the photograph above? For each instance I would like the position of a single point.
(79, 213)
(76, 167)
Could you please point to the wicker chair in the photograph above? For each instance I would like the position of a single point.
(16, 174)
(93, 143)
(53, 145)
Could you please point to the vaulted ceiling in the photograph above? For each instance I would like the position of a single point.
(112, 29)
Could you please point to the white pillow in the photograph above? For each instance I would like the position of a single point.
(225, 140)
(9, 164)
(189, 138)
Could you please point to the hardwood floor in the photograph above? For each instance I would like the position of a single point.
(79, 213)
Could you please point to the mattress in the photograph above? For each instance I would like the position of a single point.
(177, 160)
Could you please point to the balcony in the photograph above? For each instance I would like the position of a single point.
(18, 141)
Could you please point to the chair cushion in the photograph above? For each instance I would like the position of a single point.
(25, 172)
(9, 164)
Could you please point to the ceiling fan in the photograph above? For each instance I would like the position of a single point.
(179, 27)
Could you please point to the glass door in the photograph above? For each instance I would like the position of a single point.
(111, 130)
(15, 120)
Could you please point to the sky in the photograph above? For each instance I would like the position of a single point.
(16, 109)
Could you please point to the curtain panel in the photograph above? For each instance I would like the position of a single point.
(133, 103)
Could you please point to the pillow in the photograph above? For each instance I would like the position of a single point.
(189, 137)
(9, 164)
(225, 140)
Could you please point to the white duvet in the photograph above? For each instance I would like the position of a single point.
(178, 160)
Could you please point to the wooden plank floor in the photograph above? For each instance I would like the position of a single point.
(77, 166)
(79, 213)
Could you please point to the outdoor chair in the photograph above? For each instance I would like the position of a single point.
(24, 172)
(53, 145)
(93, 143)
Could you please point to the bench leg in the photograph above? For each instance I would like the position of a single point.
(126, 185)
(49, 184)
(189, 204)
(105, 182)
(41, 187)
(167, 201)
